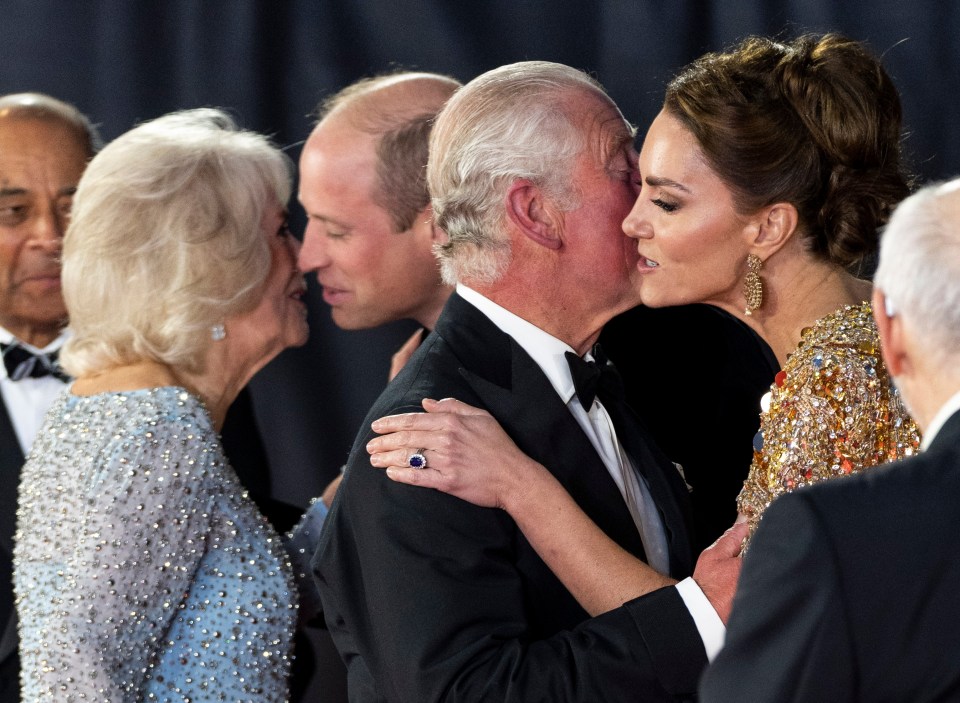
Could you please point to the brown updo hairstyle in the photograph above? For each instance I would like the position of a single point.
(815, 122)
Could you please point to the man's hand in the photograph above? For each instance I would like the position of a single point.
(718, 569)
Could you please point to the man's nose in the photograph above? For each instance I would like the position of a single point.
(313, 255)
(48, 228)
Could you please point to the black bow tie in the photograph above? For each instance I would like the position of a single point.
(22, 363)
(593, 378)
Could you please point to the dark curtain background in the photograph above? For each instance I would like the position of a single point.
(270, 62)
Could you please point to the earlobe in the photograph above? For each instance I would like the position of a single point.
(530, 213)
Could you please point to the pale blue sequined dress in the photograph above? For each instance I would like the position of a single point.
(142, 570)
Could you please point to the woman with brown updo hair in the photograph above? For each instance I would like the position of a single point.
(764, 181)
(805, 139)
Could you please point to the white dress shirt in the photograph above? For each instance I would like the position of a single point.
(28, 399)
(548, 353)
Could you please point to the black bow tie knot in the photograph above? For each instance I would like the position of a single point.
(22, 363)
(594, 378)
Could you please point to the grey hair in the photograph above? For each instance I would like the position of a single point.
(507, 124)
(919, 269)
(165, 239)
(44, 107)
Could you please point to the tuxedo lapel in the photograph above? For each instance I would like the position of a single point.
(517, 392)
(11, 460)
(667, 487)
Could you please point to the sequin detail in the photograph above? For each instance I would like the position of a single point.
(143, 572)
(832, 412)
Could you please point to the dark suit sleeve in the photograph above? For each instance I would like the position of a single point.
(789, 636)
(423, 594)
(11, 459)
(243, 446)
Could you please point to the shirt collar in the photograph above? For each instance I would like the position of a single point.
(545, 349)
(946, 411)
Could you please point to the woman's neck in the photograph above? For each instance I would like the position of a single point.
(215, 387)
(137, 375)
(798, 291)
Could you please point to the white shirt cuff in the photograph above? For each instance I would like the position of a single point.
(709, 624)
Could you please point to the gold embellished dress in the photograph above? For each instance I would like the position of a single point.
(831, 411)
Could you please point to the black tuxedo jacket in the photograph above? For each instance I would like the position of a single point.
(851, 590)
(11, 459)
(699, 375)
(430, 598)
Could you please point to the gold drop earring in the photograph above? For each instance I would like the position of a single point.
(753, 284)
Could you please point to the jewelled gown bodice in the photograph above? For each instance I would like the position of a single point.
(832, 411)
(142, 570)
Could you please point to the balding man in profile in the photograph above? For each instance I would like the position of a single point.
(370, 230)
(370, 233)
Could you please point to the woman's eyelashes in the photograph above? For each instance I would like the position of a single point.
(665, 205)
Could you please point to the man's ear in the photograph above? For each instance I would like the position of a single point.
(532, 214)
(890, 329)
(772, 228)
(425, 226)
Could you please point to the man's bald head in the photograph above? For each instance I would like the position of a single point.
(397, 110)
(380, 103)
(38, 106)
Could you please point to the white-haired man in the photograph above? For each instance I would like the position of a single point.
(849, 591)
(531, 173)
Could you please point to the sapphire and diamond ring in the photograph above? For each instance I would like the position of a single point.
(418, 460)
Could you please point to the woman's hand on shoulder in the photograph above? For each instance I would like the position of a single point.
(467, 453)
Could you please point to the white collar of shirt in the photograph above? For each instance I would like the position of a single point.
(949, 408)
(28, 399)
(545, 349)
(6, 337)
(548, 352)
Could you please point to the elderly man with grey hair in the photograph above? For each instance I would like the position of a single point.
(429, 598)
(849, 592)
